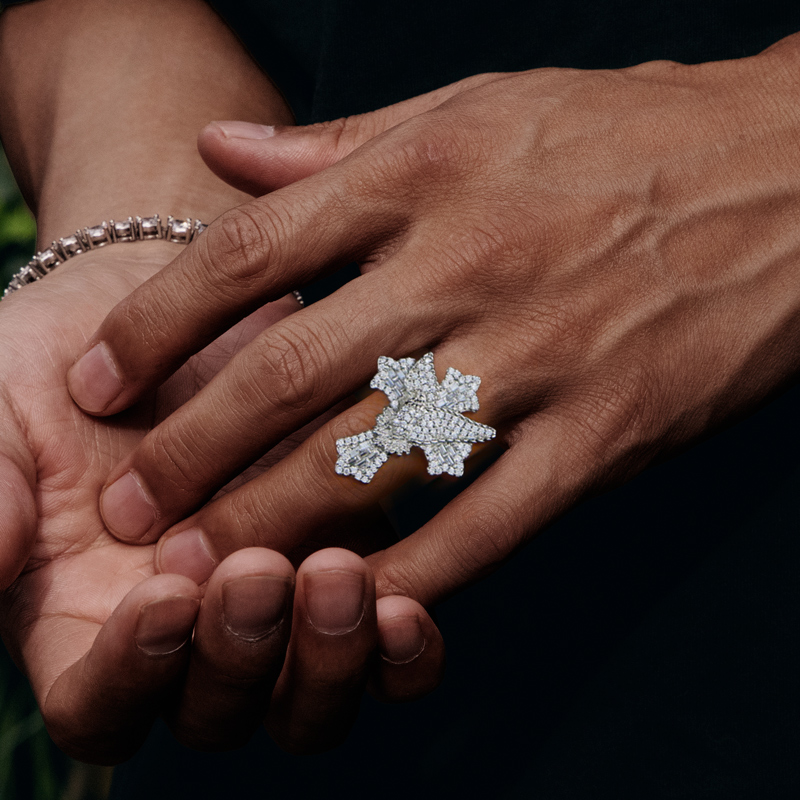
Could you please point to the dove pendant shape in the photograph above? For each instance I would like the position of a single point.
(421, 413)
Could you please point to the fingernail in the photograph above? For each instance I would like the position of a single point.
(234, 129)
(253, 606)
(94, 380)
(127, 509)
(164, 626)
(187, 553)
(401, 640)
(334, 600)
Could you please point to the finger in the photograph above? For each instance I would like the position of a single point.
(238, 651)
(547, 470)
(411, 649)
(295, 371)
(303, 496)
(18, 514)
(252, 254)
(261, 158)
(101, 708)
(197, 372)
(300, 499)
(334, 635)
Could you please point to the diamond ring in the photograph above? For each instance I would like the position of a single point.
(421, 413)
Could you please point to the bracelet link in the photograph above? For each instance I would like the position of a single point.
(97, 235)
(72, 246)
(149, 228)
(123, 231)
(180, 231)
(25, 276)
(44, 262)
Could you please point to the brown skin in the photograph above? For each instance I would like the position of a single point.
(615, 253)
(102, 638)
(72, 616)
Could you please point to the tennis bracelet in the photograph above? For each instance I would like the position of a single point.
(133, 229)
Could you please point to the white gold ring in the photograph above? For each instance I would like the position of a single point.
(421, 413)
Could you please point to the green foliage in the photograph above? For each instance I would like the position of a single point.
(30, 766)
(17, 228)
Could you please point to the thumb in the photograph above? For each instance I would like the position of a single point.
(261, 158)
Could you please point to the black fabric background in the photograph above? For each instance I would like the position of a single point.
(338, 57)
(646, 645)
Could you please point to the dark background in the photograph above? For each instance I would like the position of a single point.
(645, 646)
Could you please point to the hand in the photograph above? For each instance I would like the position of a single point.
(87, 620)
(613, 253)
(105, 641)
(241, 675)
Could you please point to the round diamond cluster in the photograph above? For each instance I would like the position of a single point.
(422, 413)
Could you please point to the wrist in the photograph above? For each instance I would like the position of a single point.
(100, 108)
(177, 194)
(97, 237)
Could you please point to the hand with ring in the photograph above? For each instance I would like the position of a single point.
(612, 253)
(107, 644)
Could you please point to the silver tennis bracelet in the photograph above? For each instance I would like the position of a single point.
(133, 229)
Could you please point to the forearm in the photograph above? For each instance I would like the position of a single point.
(101, 102)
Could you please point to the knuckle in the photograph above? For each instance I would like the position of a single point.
(177, 458)
(295, 362)
(479, 80)
(335, 493)
(361, 417)
(347, 133)
(480, 538)
(559, 336)
(393, 577)
(651, 69)
(234, 249)
(475, 539)
(433, 147)
(627, 402)
(289, 371)
(490, 259)
(136, 328)
(492, 241)
(253, 521)
(618, 414)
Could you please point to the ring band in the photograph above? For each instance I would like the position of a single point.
(421, 413)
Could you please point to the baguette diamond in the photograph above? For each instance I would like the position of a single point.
(421, 413)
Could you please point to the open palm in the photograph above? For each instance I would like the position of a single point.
(100, 636)
(78, 600)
